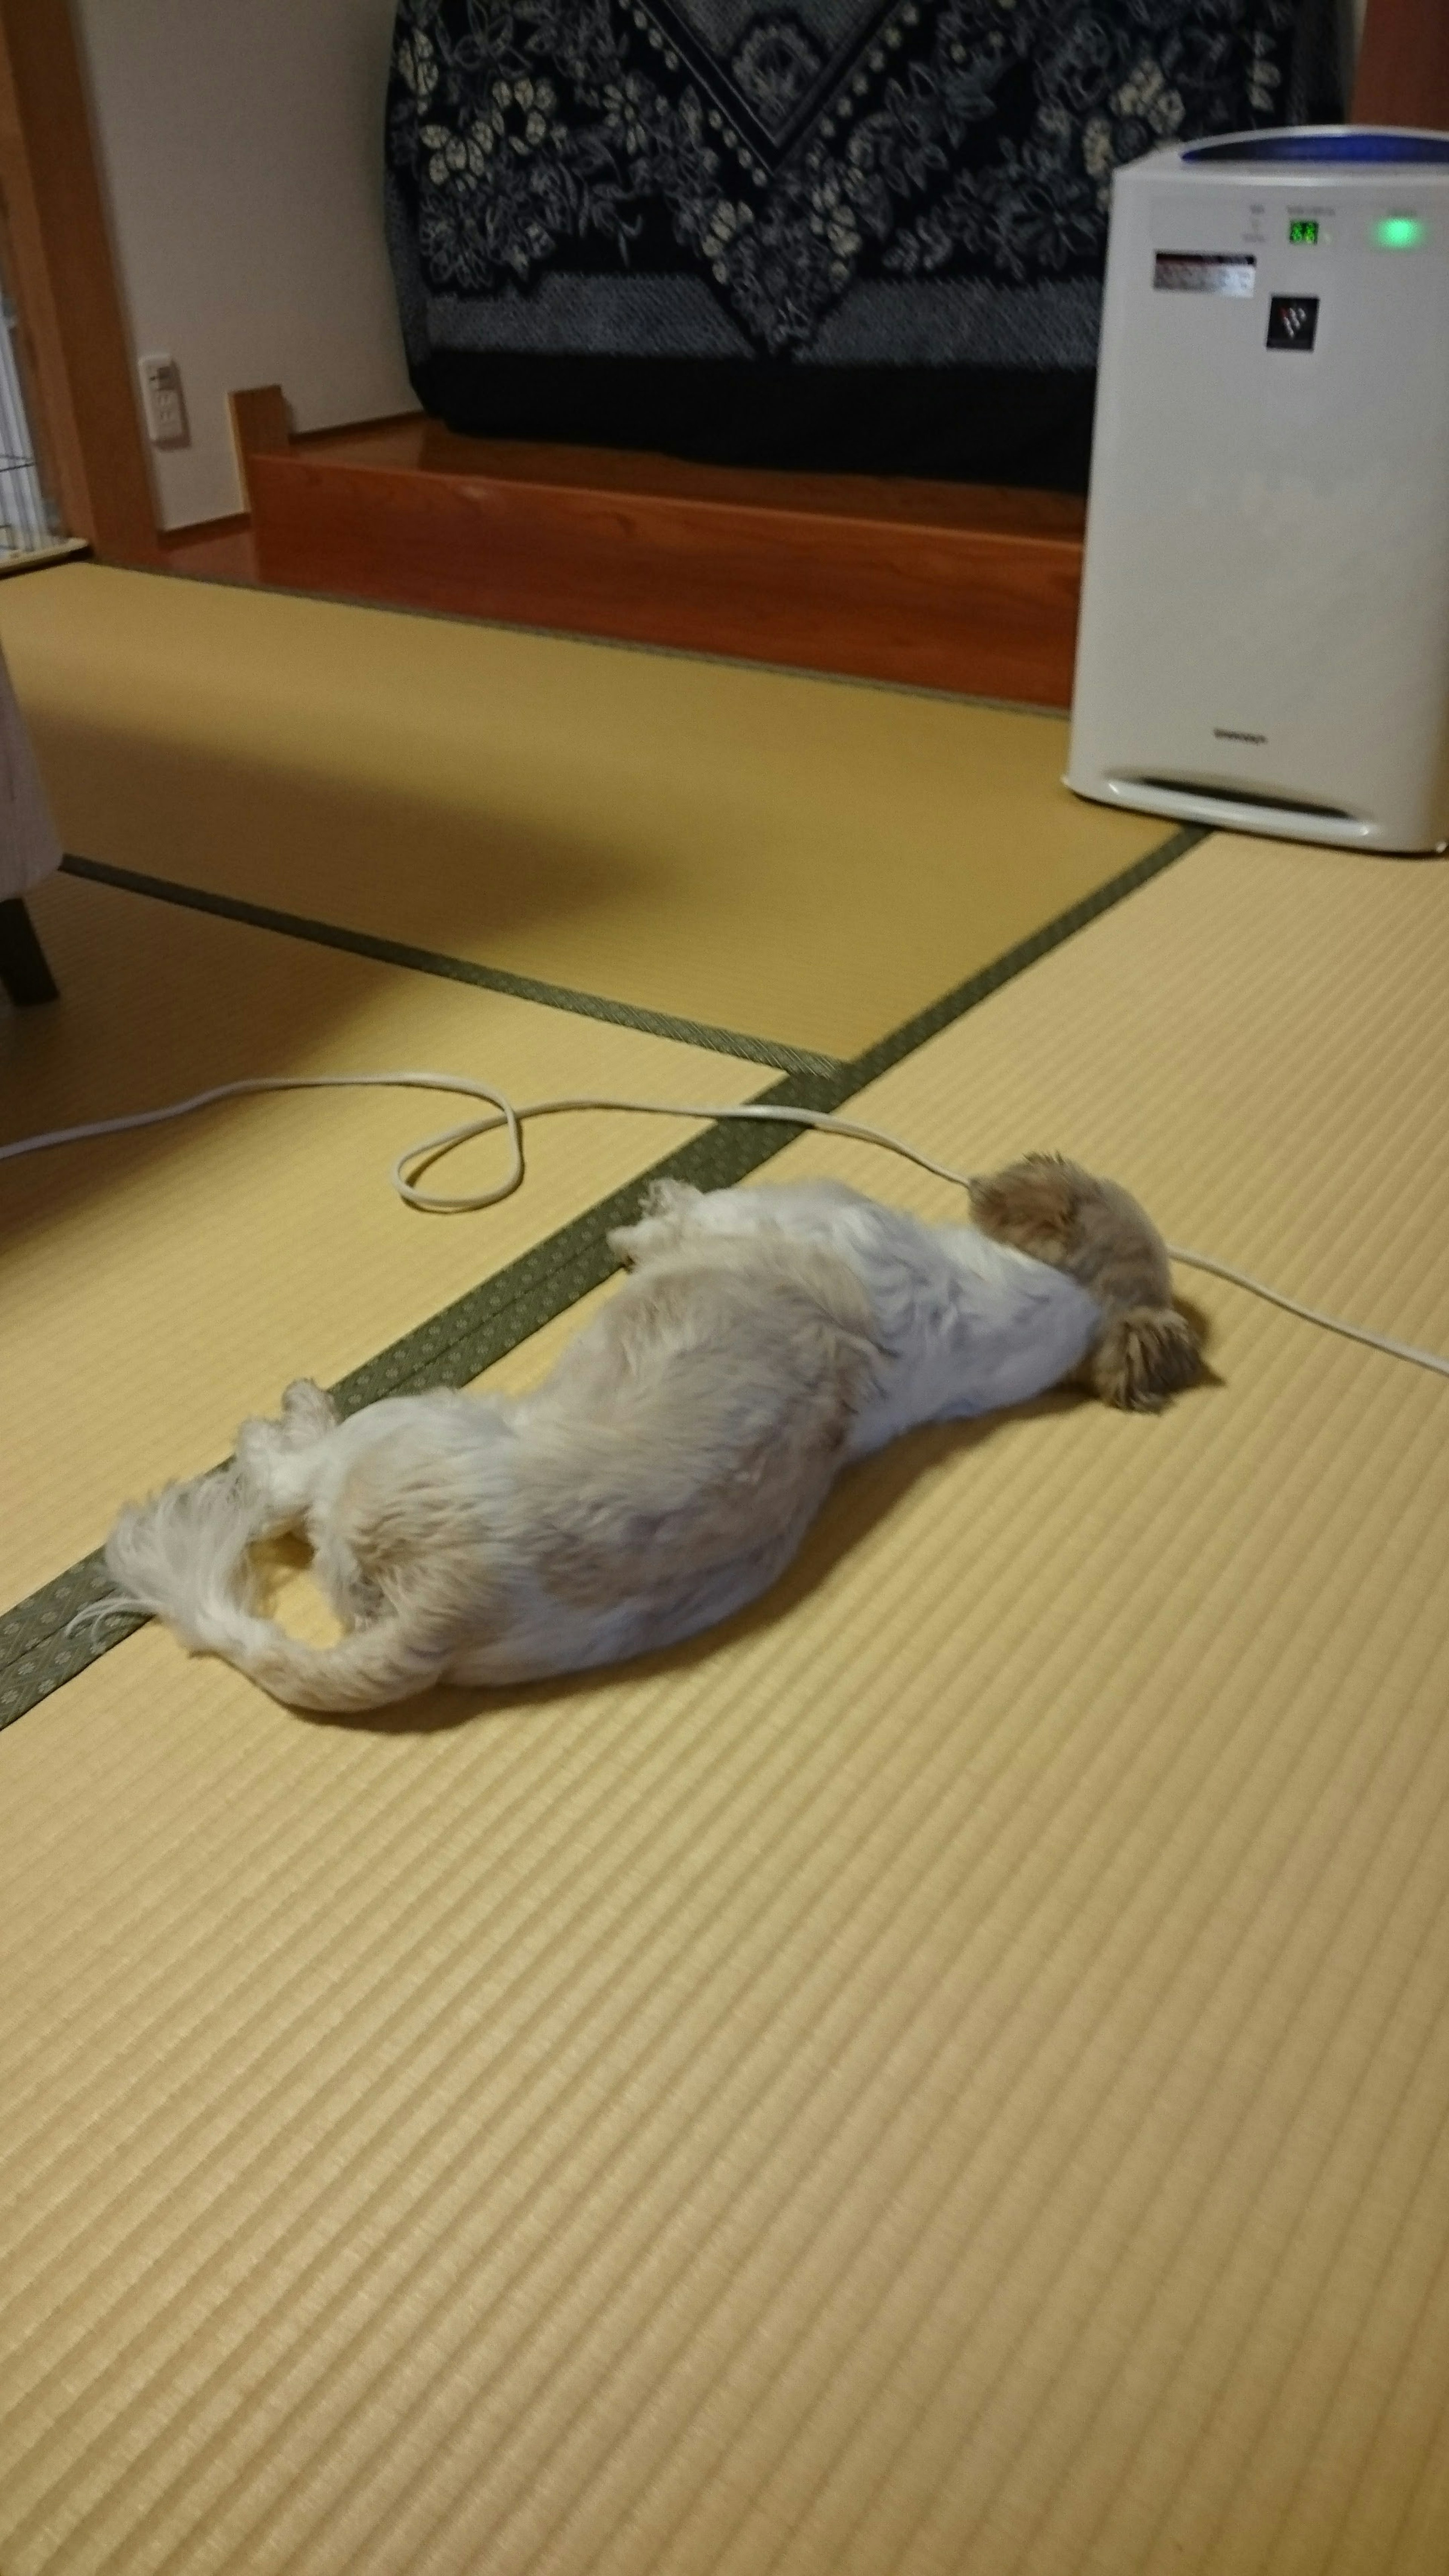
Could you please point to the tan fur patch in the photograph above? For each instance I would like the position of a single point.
(1032, 1204)
(1142, 1358)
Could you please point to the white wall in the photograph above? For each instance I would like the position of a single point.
(241, 148)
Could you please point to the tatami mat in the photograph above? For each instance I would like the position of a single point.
(726, 844)
(951, 2074)
(157, 1288)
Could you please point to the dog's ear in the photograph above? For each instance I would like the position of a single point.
(1032, 1204)
(1143, 1357)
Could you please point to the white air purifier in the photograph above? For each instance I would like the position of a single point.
(1264, 637)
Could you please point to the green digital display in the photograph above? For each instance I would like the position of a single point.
(1303, 228)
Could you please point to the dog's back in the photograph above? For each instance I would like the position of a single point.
(670, 1466)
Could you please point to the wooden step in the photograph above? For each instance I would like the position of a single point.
(965, 587)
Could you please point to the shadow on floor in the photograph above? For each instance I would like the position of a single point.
(343, 846)
(157, 1003)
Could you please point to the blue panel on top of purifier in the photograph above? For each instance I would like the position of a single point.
(1341, 143)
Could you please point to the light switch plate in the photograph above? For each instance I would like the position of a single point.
(164, 403)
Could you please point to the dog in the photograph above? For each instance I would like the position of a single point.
(668, 1469)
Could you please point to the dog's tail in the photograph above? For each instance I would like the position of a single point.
(183, 1556)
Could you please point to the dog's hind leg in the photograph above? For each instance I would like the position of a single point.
(279, 1463)
(274, 1458)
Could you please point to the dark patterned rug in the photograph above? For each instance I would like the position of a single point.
(839, 232)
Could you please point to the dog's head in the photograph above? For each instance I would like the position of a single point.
(1052, 1209)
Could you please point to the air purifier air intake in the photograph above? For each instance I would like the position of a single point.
(1264, 637)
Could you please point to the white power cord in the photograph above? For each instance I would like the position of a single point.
(417, 1159)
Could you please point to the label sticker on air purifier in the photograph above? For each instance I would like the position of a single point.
(1199, 272)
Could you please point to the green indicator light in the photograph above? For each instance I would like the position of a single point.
(1303, 228)
(1398, 232)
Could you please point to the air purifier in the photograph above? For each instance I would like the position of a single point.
(1264, 638)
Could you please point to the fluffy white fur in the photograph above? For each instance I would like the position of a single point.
(668, 1469)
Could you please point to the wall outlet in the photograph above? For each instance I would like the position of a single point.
(163, 401)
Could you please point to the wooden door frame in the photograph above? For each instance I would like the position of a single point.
(75, 346)
(1402, 75)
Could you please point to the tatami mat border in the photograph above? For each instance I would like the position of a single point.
(38, 1649)
(456, 970)
(875, 1060)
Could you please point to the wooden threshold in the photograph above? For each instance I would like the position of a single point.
(41, 558)
(213, 549)
(964, 587)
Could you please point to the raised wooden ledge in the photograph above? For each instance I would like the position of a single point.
(949, 586)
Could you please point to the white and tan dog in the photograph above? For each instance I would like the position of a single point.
(667, 1471)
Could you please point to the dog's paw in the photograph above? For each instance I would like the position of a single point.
(307, 1412)
(307, 1415)
(668, 1207)
(635, 1244)
(671, 1201)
